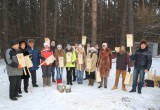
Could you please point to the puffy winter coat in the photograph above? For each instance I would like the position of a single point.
(35, 58)
(12, 63)
(143, 58)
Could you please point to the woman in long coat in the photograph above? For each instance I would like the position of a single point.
(105, 64)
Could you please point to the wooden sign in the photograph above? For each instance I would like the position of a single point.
(98, 76)
(84, 39)
(150, 76)
(80, 59)
(21, 60)
(129, 40)
(47, 40)
(117, 49)
(69, 57)
(127, 78)
(28, 61)
(61, 61)
(89, 63)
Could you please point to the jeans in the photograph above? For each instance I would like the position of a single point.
(53, 71)
(138, 71)
(79, 76)
(59, 72)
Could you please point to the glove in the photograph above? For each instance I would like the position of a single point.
(129, 70)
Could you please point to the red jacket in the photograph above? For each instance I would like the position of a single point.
(46, 53)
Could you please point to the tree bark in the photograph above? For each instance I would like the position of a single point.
(55, 19)
(83, 12)
(94, 22)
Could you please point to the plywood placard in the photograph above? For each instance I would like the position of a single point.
(129, 40)
(21, 60)
(69, 57)
(28, 61)
(61, 61)
(80, 59)
(84, 39)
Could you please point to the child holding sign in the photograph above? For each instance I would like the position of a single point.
(93, 61)
(70, 63)
(80, 63)
(59, 53)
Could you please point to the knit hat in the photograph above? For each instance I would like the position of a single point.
(68, 46)
(104, 44)
(92, 48)
(59, 46)
(46, 44)
(14, 42)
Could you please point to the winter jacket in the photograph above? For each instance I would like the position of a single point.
(143, 58)
(105, 62)
(12, 63)
(93, 57)
(71, 64)
(45, 54)
(122, 60)
(35, 58)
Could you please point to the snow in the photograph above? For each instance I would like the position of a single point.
(82, 97)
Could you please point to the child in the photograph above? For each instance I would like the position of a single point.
(23, 49)
(14, 70)
(91, 73)
(46, 69)
(70, 66)
(80, 67)
(59, 52)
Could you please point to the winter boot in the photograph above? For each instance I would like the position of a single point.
(49, 81)
(20, 91)
(92, 82)
(124, 89)
(53, 80)
(114, 88)
(44, 81)
(89, 82)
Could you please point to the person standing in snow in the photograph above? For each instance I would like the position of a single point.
(143, 62)
(46, 68)
(35, 60)
(80, 67)
(70, 66)
(23, 49)
(53, 48)
(14, 70)
(121, 65)
(91, 73)
(59, 52)
(104, 64)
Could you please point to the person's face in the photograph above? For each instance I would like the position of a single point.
(16, 47)
(88, 45)
(96, 46)
(104, 47)
(53, 43)
(31, 44)
(143, 46)
(59, 48)
(123, 48)
(23, 45)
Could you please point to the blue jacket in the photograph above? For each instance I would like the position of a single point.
(35, 58)
(143, 58)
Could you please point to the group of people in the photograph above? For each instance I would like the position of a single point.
(101, 60)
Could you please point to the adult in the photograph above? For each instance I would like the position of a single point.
(143, 62)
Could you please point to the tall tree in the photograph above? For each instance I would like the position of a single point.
(55, 19)
(123, 26)
(130, 17)
(94, 22)
(83, 12)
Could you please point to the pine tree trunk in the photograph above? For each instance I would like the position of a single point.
(94, 22)
(130, 17)
(123, 26)
(55, 19)
(83, 12)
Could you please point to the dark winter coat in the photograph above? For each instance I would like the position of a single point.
(35, 58)
(53, 48)
(12, 63)
(143, 58)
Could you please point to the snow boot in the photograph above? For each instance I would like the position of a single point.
(44, 81)
(114, 88)
(92, 82)
(48, 81)
(124, 89)
(89, 82)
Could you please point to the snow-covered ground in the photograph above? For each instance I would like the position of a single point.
(82, 97)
